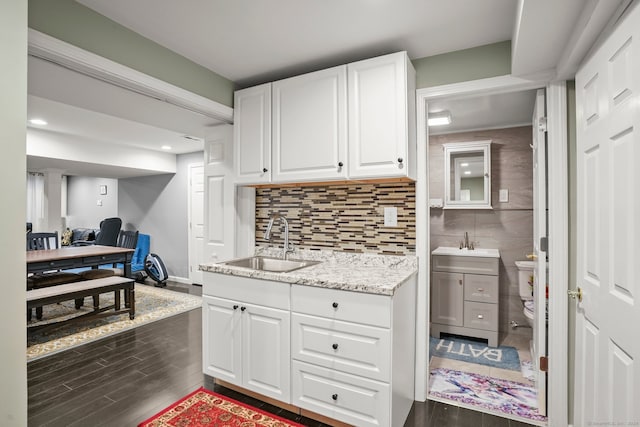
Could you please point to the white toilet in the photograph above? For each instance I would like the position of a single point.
(525, 283)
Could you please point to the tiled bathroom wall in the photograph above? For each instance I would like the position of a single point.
(508, 226)
(341, 217)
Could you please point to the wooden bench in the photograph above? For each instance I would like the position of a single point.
(80, 290)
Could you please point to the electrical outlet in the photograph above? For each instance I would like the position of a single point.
(504, 195)
(99, 203)
(391, 217)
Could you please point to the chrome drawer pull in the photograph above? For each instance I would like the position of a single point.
(480, 289)
(480, 316)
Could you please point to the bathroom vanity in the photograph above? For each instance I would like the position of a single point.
(464, 293)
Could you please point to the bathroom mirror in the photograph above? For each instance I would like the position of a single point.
(467, 175)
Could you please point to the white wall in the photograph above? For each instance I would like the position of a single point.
(83, 194)
(157, 205)
(13, 107)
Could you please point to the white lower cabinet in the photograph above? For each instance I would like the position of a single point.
(353, 354)
(345, 355)
(247, 344)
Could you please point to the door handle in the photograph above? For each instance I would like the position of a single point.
(532, 256)
(575, 294)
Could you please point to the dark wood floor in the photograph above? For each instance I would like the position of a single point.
(124, 379)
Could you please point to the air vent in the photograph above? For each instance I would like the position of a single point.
(190, 138)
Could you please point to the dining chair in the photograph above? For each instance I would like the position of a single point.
(40, 241)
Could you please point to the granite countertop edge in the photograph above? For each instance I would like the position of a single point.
(366, 273)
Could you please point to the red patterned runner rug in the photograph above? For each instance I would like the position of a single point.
(206, 408)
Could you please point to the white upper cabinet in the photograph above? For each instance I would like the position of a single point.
(382, 140)
(351, 121)
(252, 134)
(310, 127)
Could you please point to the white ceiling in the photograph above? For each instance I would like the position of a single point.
(251, 41)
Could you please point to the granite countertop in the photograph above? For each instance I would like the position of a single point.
(368, 273)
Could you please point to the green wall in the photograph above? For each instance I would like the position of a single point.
(463, 65)
(80, 26)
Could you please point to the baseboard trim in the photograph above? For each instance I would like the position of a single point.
(184, 280)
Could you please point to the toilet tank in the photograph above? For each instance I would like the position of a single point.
(525, 279)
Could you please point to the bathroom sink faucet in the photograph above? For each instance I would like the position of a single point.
(267, 235)
(465, 244)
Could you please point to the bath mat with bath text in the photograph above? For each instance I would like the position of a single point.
(503, 357)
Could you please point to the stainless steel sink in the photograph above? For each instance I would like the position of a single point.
(270, 264)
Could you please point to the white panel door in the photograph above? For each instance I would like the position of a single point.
(222, 339)
(196, 221)
(219, 195)
(607, 372)
(310, 126)
(380, 97)
(252, 134)
(540, 252)
(266, 345)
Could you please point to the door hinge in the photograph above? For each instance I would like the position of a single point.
(544, 244)
(544, 364)
(542, 124)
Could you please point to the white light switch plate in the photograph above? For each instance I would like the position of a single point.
(504, 195)
(391, 217)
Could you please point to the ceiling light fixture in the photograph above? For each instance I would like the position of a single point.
(38, 122)
(166, 147)
(464, 165)
(467, 172)
(440, 118)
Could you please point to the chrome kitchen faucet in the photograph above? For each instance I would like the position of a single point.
(267, 235)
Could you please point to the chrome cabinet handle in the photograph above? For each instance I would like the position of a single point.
(480, 316)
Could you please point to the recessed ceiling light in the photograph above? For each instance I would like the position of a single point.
(166, 147)
(467, 172)
(440, 118)
(464, 165)
(38, 122)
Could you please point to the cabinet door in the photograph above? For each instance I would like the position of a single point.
(447, 292)
(266, 365)
(380, 107)
(222, 339)
(252, 134)
(309, 126)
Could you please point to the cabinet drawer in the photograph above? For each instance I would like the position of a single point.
(348, 347)
(335, 304)
(103, 258)
(51, 265)
(481, 288)
(348, 398)
(480, 315)
(249, 290)
(465, 264)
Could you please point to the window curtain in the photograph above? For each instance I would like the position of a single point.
(35, 199)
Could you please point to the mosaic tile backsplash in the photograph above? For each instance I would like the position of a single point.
(346, 218)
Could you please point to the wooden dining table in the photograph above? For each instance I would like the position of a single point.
(78, 257)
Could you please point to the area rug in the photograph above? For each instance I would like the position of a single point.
(151, 304)
(492, 394)
(503, 357)
(206, 408)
